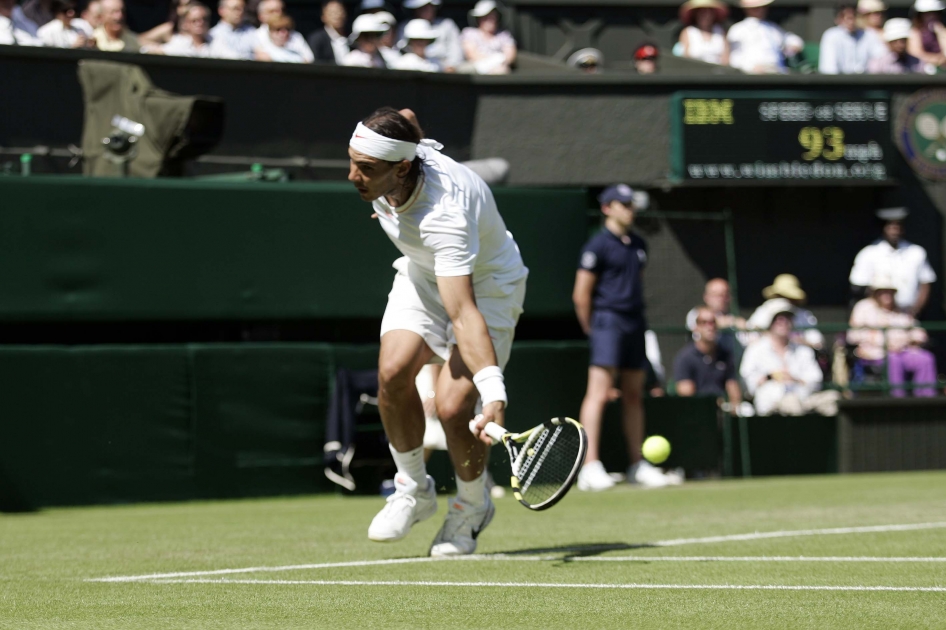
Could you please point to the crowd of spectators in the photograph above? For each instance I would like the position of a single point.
(861, 41)
(778, 358)
(424, 42)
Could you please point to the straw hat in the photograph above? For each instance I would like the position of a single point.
(754, 4)
(686, 11)
(785, 285)
(870, 6)
(882, 282)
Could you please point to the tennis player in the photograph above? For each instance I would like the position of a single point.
(457, 296)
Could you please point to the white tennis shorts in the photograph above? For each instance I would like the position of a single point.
(414, 304)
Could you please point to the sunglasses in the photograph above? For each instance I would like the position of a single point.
(706, 321)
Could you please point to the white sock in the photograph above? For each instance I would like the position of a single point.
(411, 464)
(472, 492)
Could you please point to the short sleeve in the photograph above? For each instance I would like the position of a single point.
(862, 270)
(730, 371)
(591, 255)
(451, 234)
(926, 275)
(682, 367)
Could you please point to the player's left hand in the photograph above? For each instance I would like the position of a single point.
(493, 412)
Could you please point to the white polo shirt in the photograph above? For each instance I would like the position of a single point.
(906, 265)
(451, 226)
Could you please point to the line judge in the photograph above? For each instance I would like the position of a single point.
(457, 296)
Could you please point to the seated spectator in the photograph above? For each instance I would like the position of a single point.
(703, 367)
(845, 48)
(490, 50)
(23, 22)
(419, 35)
(366, 42)
(759, 46)
(92, 14)
(786, 288)
(645, 59)
(194, 39)
(329, 43)
(65, 30)
(39, 12)
(870, 17)
(10, 31)
(277, 45)
(783, 376)
(231, 32)
(901, 347)
(927, 39)
(588, 60)
(388, 40)
(295, 48)
(163, 32)
(896, 60)
(446, 49)
(112, 35)
(717, 297)
(703, 36)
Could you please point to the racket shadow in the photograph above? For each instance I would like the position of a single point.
(576, 550)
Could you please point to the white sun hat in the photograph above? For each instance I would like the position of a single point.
(897, 28)
(928, 6)
(419, 29)
(483, 8)
(367, 23)
(416, 4)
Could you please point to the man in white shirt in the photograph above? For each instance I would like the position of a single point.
(268, 10)
(65, 30)
(457, 296)
(782, 376)
(231, 32)
(845, 48)
(758, 46)
(446, 49)
(893, 256)
(11, 31)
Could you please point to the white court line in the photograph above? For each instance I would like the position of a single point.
(704, 587)
(662, 543)
(755, 559)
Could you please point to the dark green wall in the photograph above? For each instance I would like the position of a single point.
(107, 250)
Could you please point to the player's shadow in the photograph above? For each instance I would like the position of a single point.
(576, 550)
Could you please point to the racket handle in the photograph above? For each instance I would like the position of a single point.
(492, 429)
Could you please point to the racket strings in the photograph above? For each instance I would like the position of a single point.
(549, 462)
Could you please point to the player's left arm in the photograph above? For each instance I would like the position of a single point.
(473, 340)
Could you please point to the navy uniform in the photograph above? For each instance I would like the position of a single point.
(617, 320)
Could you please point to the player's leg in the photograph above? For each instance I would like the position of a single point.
(403, 354)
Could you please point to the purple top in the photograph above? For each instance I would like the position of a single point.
(930, 43)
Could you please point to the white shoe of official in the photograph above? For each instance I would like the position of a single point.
(464, 523)
(593, 477)
(408, 506)
(646, 475)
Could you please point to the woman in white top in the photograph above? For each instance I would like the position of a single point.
(490, 50)
(703, 36)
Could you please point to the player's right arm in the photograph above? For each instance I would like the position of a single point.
(581, 295)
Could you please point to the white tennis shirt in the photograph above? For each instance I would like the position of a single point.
(906, 265)
(451, 226)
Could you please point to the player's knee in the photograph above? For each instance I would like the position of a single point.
(395, 376)
(452, 411)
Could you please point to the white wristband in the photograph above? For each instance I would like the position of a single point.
(489, 382)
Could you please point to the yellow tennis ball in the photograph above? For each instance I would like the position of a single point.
(656, 449)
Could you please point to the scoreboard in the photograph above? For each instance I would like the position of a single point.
(791, 136)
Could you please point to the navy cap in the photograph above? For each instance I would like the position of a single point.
(892, 214)
(624, 194)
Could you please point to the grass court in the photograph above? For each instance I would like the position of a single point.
(856, 551)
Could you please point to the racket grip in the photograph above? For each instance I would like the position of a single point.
(492, 429)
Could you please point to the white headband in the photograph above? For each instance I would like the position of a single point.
(374, 144)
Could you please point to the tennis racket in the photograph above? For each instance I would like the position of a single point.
(545, 460)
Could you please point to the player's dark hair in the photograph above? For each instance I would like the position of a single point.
(389, 122)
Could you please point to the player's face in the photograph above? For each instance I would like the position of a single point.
(373, 178)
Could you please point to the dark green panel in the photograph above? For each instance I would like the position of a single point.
(788, 445)
(95, 425)
(73, 248)
(260, 418)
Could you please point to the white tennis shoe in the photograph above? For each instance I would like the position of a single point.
(646, 475)
(593, 477)
(405, 508)
(464, 523)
